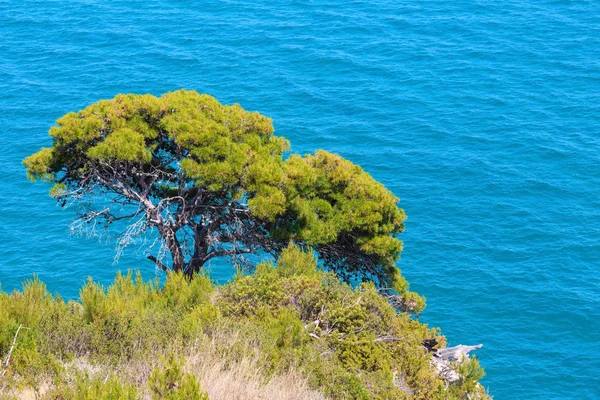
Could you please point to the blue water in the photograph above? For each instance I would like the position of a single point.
(483, 116)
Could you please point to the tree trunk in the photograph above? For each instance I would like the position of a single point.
(174, 247)
(193, 266)
(190, 268)
(200, 250)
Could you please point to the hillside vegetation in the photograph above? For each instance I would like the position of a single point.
(287, 331)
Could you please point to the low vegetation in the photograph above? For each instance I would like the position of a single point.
(288, 331)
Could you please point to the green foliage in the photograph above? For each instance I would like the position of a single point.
(333, 197)
(470, 373)
(122, 145)
(333, 205)
(171, 383)
(39, 165)
(349, 342)
(362, 352)
(227, 148)
(96, 389)
(250, 293)
(118, 318)
(27, 308)
(182, 295)
(293, 261)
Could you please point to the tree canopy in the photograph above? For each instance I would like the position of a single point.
(210, 180)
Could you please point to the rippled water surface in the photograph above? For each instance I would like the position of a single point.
(482, 116)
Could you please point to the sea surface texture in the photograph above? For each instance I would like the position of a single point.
(482, 116)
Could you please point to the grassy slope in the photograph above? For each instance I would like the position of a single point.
(285, 332)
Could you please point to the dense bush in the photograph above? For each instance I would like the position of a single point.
(171, 383)
(348, 343)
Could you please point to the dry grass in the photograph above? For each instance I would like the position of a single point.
(244, 378)
(240, 381)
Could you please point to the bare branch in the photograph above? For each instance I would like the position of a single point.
(223, 253)
(11, 350)
(158, 263)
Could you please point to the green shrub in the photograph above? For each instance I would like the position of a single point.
(293, 261)
(171, 383)
(96, 389)
(85, 388)
(470, 372)
(363, 353)
(249, 293)
(349, 342)
(180, 295)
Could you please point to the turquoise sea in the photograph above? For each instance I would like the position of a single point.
(482, 116)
